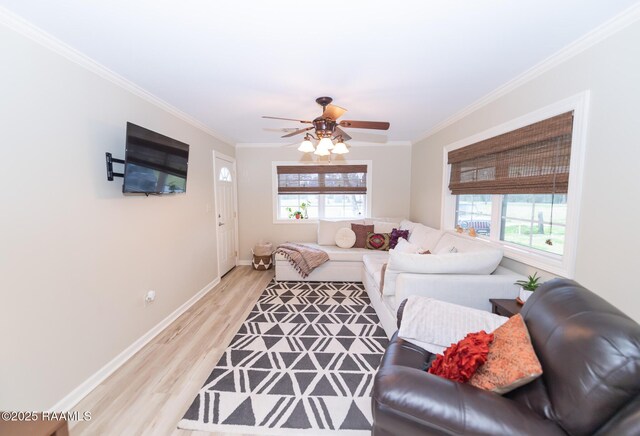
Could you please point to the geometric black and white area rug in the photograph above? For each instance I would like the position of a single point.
(302, 363)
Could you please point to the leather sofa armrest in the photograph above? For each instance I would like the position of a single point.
(401, 311)
(410, 401)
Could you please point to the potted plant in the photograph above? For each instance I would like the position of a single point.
(527, 287)
(301, 212)
(297, 214)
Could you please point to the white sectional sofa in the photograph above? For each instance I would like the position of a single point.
(468, 277)
(345, 264)
(461, 269)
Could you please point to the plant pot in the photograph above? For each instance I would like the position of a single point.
(524, 295)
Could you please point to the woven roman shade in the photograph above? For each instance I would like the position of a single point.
(531, 160)
(322, 179)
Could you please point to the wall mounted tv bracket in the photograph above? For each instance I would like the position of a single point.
(110, 161)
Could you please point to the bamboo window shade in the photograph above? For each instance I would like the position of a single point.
(530, 160)
(322, 179)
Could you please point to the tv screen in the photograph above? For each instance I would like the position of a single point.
(154, 163)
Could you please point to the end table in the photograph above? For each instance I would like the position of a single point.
(504, 307)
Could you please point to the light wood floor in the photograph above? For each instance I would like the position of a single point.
(150, 393)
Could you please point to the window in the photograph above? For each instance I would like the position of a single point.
(308, 192)
(512, 185)
(474, 211)
(225, 175)
(537, 221)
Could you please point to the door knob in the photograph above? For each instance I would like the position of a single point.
(220, 224)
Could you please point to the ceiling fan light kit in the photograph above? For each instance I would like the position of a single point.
(322, 151)
(326, 142)
(306, 146)
(340, 148)
(327, 129)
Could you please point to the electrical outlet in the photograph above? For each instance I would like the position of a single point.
(150, 297)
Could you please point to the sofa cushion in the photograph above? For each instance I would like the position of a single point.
(404, 246)
(397, 234)
(327, 230)
(345, 254)
(378, 241)
(461, 360)
(425, 237)
(342, 254)
(345, 238)
(361, 231)
(373, 264)
(384, 227)
(383, 219)
(511, 362)
(480, 262)
(463, 244)
(407, 225)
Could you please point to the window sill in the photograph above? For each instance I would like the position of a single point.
(296, 222)
(552, 263)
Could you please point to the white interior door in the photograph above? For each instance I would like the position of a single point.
(226, 214)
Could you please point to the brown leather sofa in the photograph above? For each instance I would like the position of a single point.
(590, 355)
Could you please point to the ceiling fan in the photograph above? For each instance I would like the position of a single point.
(327, 127)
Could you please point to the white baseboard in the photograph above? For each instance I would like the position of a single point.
(242, 262)
(74, 397)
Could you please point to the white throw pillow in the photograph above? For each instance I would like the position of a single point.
(345, 238)
(405, 246)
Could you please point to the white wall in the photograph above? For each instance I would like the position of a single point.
(608, 238)
(76, 255)
(390, 191)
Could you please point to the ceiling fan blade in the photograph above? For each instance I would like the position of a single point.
(287, 119)
(378, 125)
(345, 136)
(297, 132)
(278, 130)
(332, 111)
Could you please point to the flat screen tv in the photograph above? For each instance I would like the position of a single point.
(154, 163)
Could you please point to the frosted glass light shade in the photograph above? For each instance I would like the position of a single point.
(326, 143)
(323, 147)
(306, 146)
(322, 151)
(340, 148)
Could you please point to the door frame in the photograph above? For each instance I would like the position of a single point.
(234, 182)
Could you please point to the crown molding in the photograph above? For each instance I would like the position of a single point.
(29, 30)
(351, 144)
(600, 33)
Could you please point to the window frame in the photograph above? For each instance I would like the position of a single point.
(561, 265)
(274, 188)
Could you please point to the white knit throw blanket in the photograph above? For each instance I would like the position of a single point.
(434, 325)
